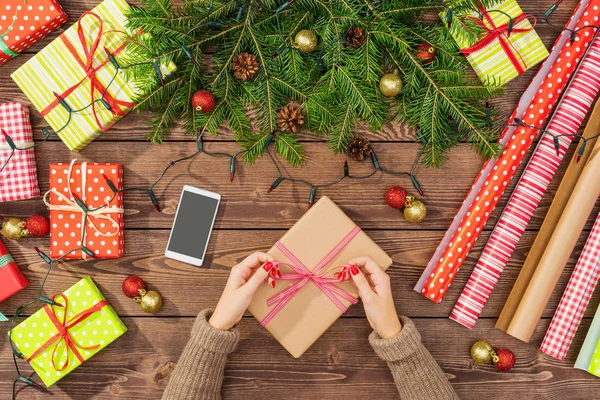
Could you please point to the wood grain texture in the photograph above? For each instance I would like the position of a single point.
(341, 364)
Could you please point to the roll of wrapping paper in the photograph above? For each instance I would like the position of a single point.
(584, 359)
(506, 134)
(559, 248)
(514, 152)
(570, 113)
(552, 216)
(575, 299)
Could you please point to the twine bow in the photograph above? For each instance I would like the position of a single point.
(303, 275)
(501, 33)
(101, 212)
(87, 64)
(63, 335)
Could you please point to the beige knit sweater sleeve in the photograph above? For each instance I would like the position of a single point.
(199, 371)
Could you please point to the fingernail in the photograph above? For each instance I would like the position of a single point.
(268, 266)
(354, 269)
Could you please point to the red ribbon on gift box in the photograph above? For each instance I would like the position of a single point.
(63, 328)
(304, 276)
(87, 64)
(501, 33)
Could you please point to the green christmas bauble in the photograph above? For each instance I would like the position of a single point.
(390, 85)
(306, 41)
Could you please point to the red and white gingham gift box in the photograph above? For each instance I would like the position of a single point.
(18, 179)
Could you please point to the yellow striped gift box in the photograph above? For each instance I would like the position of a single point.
(61, 68)
(492, 63)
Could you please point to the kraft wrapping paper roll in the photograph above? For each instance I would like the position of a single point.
(552, 216)
(488, 195)
(559, 249)
(543, 164)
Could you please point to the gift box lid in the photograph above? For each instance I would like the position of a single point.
(100, 328)
(33, 19)
(310, 312)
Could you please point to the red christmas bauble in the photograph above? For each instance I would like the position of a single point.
(132, 286)
(37, 225)
(396, 197)
(426, 53)
(203, 101)
(504, 359)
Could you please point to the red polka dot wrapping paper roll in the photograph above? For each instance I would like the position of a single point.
(560, 66)
(18, 180)
(85, 181)
(33, 20)
(569, 115)
(12, 279)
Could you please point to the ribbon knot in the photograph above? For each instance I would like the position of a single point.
(118, 107)
(303, 275)
(72, 205)
(501, 33)
(64, 336)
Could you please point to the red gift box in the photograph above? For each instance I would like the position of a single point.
(11, 278)
(22, 23)
(98, 226)
(18, 180)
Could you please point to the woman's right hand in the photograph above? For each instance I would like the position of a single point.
(376, 293)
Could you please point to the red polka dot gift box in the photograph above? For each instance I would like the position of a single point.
(24, 22)
(86, 215)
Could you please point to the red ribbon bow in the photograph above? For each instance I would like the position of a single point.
(502, 34)
(303, 275)
(63, 328)
(87, 64)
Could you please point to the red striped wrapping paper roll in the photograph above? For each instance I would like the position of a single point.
(575, 299)
(569, 115)
(506, 134)
(489, 194)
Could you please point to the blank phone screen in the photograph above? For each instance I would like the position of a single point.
(191, 230)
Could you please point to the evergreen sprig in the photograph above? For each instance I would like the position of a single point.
(336, 85)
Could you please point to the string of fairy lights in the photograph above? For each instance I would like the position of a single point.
(201, 149)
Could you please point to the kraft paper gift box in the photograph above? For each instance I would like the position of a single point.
(18, 180)
(24, 22)
(62, 70)
(55, 343)
(103, 228)
(498, 56)
(12, 279)
(313, 241)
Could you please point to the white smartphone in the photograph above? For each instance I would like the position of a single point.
(193, 225)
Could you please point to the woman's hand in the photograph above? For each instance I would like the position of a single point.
(376, 293)
(241, 286)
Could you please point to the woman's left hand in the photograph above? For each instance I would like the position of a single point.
(243, 281)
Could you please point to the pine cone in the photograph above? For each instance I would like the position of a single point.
(355, 36)
(290, 117)
(359, 148)
(244, 66)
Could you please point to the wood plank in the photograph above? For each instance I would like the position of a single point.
(246, 203)
(187, 289)
(341, 363)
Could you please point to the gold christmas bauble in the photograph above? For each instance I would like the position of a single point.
(390, 85)
(415, 211)
(482, 352)
(150, 301)
(306, 41)
(13, 228)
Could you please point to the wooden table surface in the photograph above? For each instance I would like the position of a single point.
(341, 364)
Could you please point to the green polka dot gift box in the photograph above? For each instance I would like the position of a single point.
(55, 340)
